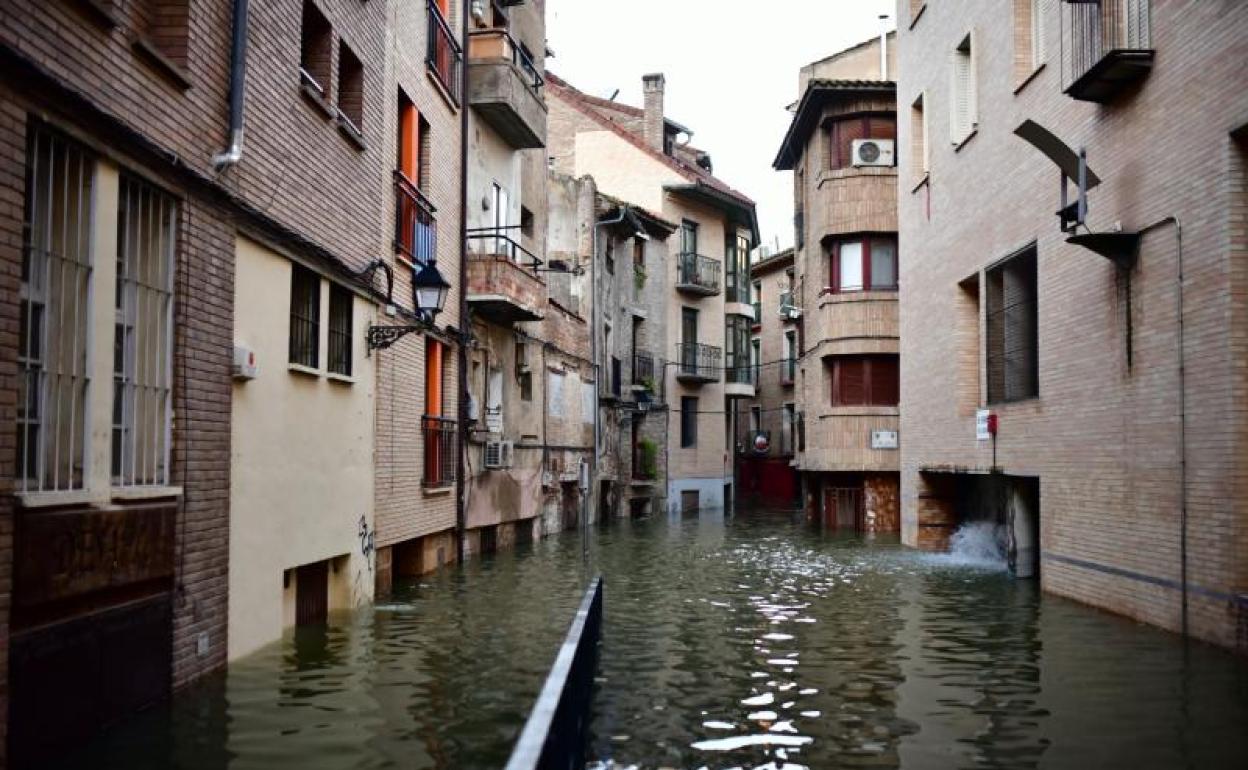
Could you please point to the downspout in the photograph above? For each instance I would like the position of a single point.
(593, 336)
(465, 323)
(1178, 239)
(233, 153)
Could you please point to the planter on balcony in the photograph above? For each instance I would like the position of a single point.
(505, 88)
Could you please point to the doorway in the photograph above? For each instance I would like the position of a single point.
(312, 594)
(842, 507)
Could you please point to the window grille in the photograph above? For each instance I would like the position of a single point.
(1013, 341)
(341, 304)
(53, 326)
(143, 334)
(305, 317)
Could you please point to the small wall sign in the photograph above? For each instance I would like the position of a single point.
(984, 424)
(884, 439)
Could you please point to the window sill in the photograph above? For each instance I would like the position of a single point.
(342, 379)
(306, 371)
(145, 493)
(923, 182)
(1025, 81)
(314, 95)
(56, 499)
(959, 144)
(864, 410)
(443, 491)
(917, 15)
(347, 128)
(173, 72)
(829, 297)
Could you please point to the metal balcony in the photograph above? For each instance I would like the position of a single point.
(698, 363)
(444, 56)
(1109, 47)
(505, 88)
(415, 226)
(788, 371)
(696, 274)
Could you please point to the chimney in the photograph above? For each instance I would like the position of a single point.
(652, 86)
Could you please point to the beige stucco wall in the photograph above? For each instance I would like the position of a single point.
(301, 464)
(862, 62)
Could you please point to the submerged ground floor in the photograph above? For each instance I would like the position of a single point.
(745, 639)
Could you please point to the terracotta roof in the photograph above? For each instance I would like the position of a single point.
(818, 93)
(586, 104)
(658, 219)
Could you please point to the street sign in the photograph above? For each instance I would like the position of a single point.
(884, 439)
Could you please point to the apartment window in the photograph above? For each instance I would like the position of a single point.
(316, 40)
(609, 256)
(688, 325)
(1028, 38)
(799, 207)
(341, 306)
(1013, 350)
(162, 26)
(788, 425)
(688, 421)
(737, 255)
(688, 237)
(919, 160)
(526, 222)
(305, 317)
(142, 334)
(841, 133)
(53, 330)
(862, 264)
(350, 88)
(963, 112)
(869, 380)
(756, 419)
(416, 228)
(756, 357)
(639, 255)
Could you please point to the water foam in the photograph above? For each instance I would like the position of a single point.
(978, 544)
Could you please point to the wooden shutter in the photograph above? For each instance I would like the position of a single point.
(409, 142)
(433, 378)
(849, 381)
(885, 390)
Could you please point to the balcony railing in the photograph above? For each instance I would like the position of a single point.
(740, 371)
(496, 242)
(788, 371)
(697, 274)
(441, 441)
(415, 227)
(499, 44)
(698, 362)
(1109, 44)
(444, 57)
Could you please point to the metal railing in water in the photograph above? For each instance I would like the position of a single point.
(557, 730)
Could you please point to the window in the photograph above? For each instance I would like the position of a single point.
(142, 340)
(963, 111)
(841, 133)
(1013, 340)
(788, 424)
(737, 348)
(315, 49)
(440, 445)
(162, 25)
(526, 222)
(1028, 39)
(609, 255)
(639, 255)
(341, 306)
(305, 317)
(688, 237)
(869, 380)
(756, 357)
(799, 206)
(350, 88)
(688, 325)
(688, 421)
(53, 330)
(918, 140)
(737, 256)
(861, 264)
(416, 228)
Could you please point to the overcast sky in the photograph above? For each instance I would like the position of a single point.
(731, 68)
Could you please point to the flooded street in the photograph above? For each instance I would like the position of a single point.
(746, 641)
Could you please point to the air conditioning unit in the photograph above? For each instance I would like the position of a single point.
(790, 312)
(872, 152)
(498, 454)
(245, 366)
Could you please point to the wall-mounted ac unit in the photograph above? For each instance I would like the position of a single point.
(498, 454)
(791, 312)
(872, 152)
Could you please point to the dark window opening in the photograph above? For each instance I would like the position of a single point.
(305, 317)
(1013, 349)
(341, 304)
(526, 222)
(688, 421)
(315, 49)
(350, 87)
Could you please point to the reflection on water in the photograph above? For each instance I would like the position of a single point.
(749, 642)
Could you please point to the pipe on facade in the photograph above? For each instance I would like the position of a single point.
(593, 337)
(464, 321)
(1178, 239)
(233, 153)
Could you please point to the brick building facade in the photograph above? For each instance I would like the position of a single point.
(1110, 352)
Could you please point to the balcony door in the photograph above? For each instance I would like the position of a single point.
(502, 213)
(689, 339)
(688, 237)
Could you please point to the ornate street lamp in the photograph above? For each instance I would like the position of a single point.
(429, 290)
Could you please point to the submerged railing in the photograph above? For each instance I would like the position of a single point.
(555, 734)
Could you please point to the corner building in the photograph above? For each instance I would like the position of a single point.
(840, 147)
(1107, 344)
